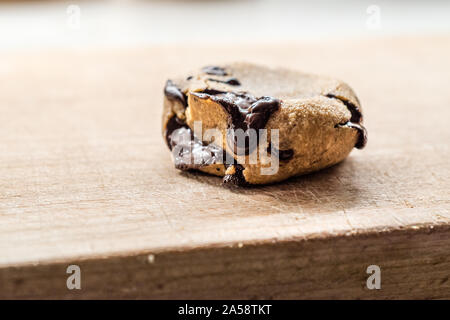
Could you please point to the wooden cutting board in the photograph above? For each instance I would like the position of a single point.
(85, 179)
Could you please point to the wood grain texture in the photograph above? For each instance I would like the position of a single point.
(85, 178)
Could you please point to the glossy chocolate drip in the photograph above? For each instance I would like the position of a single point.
(354, 110)
(355, 120)
(230, 82)
(214, 70)
(245, 112)
(362, 136)
(260, 112)
(173, 93)
(237, 106)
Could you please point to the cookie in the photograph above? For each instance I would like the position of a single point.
(256, 125)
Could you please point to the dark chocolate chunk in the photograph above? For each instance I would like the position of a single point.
(174, 93)
(214, 70)
(173, 124)
(189, 152)
(231, 81)
(237, 179)
(192, 153)
(355, 121)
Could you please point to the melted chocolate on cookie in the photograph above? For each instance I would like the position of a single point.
(245, 112)
(354, 122)
(231, 81)
(188, 151)
(173, 124)
(214, 70)
(173, 93)
(354, 110)
(236, 179)
(362, 137)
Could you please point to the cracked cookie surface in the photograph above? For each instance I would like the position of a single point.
(318, 121)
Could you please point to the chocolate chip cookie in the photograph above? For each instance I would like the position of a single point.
(256, 125)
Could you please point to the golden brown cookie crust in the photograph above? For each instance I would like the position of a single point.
(313, 118)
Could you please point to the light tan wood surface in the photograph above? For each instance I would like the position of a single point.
(85, 178)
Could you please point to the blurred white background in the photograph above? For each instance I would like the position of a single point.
(134, 23)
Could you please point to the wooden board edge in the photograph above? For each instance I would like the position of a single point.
(413, 264)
